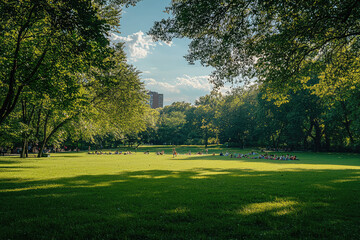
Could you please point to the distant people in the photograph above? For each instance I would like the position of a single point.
(207, 151)
(221, 154)
(174, 153)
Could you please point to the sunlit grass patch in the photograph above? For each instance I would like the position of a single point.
(142, 196)
(279, 207)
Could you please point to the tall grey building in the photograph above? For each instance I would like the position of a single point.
(156, 100)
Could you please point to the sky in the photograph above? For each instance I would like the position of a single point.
(163, 66)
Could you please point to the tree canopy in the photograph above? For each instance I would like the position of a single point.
(57, 66)
(280, 42)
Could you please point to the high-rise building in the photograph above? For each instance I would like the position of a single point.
(156, 100)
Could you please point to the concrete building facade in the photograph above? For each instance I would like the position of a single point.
(156, 100)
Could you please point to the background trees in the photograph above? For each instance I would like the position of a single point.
(303, 56)
(62, 81)
(245, 118)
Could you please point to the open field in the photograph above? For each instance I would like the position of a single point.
(139, 196)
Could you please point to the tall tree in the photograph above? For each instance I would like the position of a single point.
(41, 36)
(277, 41)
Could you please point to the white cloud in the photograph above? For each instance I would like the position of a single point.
(196, 82)
(152, 83)
(185, 88)
(169, 44)
(138, 44)
(184, 83)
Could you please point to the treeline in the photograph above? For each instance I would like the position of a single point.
(305, 57)
(60, 77)
(62, 82)
(245, 118)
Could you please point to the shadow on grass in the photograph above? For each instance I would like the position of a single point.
(198, 204)
(8, 162)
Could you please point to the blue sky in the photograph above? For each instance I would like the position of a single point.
(163, 66)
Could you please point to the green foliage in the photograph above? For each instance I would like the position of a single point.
(278, 42)
(58, 63)
(246, 118)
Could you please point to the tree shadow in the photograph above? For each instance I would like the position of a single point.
(3, 162)
(197, 204)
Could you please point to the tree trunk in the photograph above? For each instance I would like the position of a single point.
(43, 143)
(23, 153)
(46, 139)
(27, 149)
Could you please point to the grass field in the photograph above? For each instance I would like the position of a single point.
(138, 196)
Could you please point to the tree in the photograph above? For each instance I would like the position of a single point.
(205, 112)
(111, 95)
(279, 42)
(170, 128)
(39, 37)
(237, 117)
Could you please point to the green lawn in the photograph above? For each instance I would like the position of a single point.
(138, 196)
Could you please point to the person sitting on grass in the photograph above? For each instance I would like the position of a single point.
(221, 154)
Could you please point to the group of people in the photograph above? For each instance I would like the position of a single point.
(276, 157)
(250, 155)
(159, 153)
(110, 153)
(175, 153)
(254, 155)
